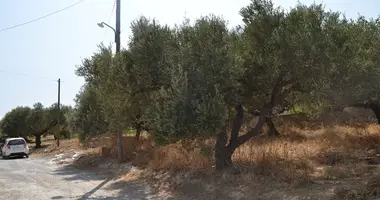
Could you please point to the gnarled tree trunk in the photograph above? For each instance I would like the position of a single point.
(222, 160)
(224, 151)
(138, 124)
(138, 131)
(272, 128)
(37, 140)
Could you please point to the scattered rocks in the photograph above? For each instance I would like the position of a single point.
(66, 158)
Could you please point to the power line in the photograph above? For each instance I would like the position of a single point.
(36, 77)
(27, 75)
(37, 19)
(109, 19)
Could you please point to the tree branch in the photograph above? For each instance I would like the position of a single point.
(257, 130)
(238, 121)
(46, 129)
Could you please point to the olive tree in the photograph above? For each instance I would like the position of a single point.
(356, 72)
(14, 123)
(87, 118)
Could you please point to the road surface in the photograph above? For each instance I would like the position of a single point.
(35, 178)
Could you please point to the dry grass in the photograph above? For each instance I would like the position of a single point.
(370, 190)
(179, 157)
(49, 146)
(342, 171)
(301, 157)
(131, 145)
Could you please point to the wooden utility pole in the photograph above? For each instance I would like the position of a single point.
(59, 112)
(119, 131)
(117, 32)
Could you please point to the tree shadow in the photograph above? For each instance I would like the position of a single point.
(190, 187)
(91, 192)
(71, 173)
(133, 189)
(108, 185)
(88, 194)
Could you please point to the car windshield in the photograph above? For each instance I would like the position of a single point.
(16, 142)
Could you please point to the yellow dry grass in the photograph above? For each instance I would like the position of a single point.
(49, 146)
(302, 156)
(327, 152)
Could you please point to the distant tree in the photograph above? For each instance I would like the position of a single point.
(14, 123)
(36, 121)
(62, 130)
(39, 122)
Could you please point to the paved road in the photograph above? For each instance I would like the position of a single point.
(34, 178)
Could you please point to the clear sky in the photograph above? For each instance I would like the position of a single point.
(34, 56)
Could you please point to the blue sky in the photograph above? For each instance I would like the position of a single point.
(34, 56)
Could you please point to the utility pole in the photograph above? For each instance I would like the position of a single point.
(119, 131)
(117, 32)
(59, 112)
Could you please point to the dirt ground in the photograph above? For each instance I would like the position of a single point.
(35, 178)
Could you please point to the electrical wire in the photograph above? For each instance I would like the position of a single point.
(26, 75)
(42, 17)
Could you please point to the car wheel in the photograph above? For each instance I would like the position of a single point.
(26, 156)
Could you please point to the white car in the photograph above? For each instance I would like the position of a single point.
(15, 147)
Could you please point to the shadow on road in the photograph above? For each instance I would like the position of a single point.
(71, 174)
(132, 189)
(88, 194)
(123, 190)
(75, 174)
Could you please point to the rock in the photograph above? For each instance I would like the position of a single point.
(372, 152)
(76, 156)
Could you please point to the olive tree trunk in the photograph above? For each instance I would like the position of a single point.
(224, 151)
(272, 128)
(38, 140)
